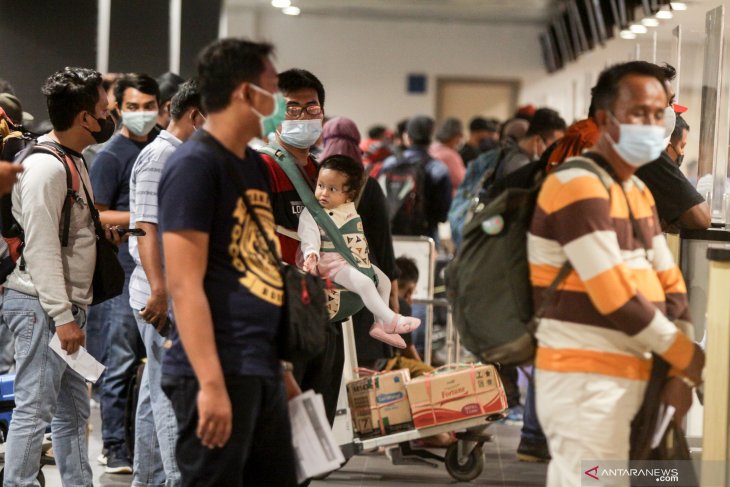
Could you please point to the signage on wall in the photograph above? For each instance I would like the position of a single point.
(416, 83)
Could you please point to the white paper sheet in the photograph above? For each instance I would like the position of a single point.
(315, 449)
(662, 424)
(82, 362)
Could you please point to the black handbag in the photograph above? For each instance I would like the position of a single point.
(108, 281)
(304, 320)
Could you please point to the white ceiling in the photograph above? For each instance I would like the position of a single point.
(469, 11)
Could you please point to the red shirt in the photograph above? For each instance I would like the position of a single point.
(286, 203)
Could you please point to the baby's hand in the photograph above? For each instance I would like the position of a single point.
(310, 264)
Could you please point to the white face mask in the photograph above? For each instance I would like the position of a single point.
(639, 144)
(139, 123)
(670, 120)
(301, 133)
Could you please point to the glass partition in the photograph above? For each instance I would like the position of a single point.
(709, 162)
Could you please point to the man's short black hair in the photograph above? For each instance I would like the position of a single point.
(407, 269)
(297, 79)
(400, 128)
(168, 83)
(139, 81)
(187, 96)
(376, 131)
(478, 124)
(545, 122)
(226, 63)
(606, 90)
(669, 71)
(679, 127)
(70, 91)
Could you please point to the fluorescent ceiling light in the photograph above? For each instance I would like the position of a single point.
(638, 29)
(280, 3)
(291, 10)
(650, 22)
(678, 5)
(664, 14)
(627, 34)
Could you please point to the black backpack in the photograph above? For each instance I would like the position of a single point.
(10, 229)
(488, 282)
(404, 185)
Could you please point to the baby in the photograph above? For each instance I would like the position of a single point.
(338, 184)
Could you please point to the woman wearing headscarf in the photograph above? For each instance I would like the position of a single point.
(341, 136)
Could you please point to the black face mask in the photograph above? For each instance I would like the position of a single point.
(107, 129)
(487, 145)
(680, 157)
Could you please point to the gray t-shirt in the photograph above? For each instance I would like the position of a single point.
(143, 185)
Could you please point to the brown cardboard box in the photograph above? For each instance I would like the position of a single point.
(455, 393)
(379, 404)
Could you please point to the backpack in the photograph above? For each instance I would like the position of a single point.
(488, 282)
(10, 229)
(479, 175)
(13, 138)
(403, 184)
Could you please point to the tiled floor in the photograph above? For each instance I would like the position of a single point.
(501, 468)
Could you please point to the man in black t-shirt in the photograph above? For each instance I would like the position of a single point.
(221, 373)
(678, 203)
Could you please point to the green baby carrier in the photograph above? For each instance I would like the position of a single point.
(341, 303)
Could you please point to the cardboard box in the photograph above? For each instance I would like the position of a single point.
(379, 404)
(455, 393)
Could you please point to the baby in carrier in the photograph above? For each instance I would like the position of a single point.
(339, 181)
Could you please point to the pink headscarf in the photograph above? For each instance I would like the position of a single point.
(341, 136)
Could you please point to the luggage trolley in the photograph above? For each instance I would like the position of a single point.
(464, 460)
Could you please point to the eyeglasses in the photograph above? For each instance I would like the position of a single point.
(295, 111)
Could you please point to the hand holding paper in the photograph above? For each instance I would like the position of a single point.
(81, 361)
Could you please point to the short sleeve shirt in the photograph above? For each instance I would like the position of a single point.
(143, 185)
(242, 282)
(672, 191)
(110, 179)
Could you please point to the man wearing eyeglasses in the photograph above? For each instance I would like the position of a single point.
(299, 131)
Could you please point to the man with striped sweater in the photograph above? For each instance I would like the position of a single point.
(624, 297)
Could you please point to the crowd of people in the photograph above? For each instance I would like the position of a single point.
(160, 161)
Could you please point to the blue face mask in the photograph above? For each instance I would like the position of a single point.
(301, 133)
(639, 144)
(270, 122)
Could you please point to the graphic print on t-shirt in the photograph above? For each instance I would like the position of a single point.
(250, 253)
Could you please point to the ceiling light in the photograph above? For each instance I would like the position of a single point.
(291, 10)
(664, 14)
(638, 29)
(280, 3)
(678, 5)
(650, 22)
(627, 34)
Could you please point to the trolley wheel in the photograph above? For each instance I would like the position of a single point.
(468, 470)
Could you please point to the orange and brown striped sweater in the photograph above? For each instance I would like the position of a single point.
(614, 308)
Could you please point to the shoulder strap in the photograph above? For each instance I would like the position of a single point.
(238, 182)
(289, 166)
(72, 184)
(549, 294)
